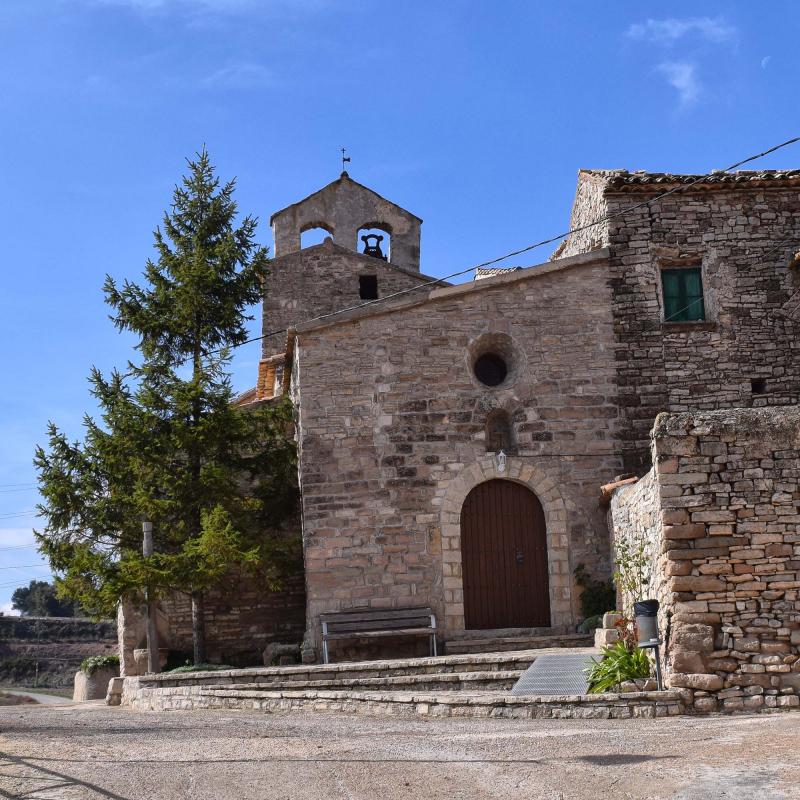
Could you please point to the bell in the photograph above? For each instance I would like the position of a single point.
(373, 249)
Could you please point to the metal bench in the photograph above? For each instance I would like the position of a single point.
(372, 623)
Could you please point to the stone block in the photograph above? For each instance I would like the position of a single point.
(704, 682)
(689, 531)
(114, 691)
(610, 619)
(697, 583)
(693, 637)
(688, 661)
(603, 637)
(94, 686)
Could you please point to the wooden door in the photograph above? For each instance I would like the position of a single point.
(504, 558)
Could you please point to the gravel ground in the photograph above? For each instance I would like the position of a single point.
(92, 751)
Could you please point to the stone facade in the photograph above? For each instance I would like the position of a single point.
(395, 428)
(741, 229)
(342, 208)
(321, 280)
(392, 423)
(727, 553)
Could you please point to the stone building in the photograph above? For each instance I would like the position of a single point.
(453, 439)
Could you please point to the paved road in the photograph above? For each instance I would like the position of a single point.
(118, 754)
(42, 699)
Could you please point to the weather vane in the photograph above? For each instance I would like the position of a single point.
(345, 159)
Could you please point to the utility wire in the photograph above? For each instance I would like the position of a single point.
(551, 240)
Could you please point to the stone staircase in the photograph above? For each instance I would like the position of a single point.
(469, 672)
(468, 685)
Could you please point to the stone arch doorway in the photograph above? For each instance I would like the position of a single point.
(504, 557)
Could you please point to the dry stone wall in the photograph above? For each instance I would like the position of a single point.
(392, 423)
(746, 353)
(729, 553)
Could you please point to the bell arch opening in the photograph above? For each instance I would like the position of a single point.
(375, 239)
(313, 234)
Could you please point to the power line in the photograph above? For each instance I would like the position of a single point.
(29, 512)
(19, 547)
(551, 240)
(27, 566)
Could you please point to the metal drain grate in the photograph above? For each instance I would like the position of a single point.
(555, 674)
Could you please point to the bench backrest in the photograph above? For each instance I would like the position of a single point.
(377, 619)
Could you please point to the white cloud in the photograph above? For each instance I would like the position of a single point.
(669, 31)
(765, 61)
(246, 75)
(7, 610)
(681, 75)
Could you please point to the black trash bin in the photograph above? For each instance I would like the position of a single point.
(646, 615)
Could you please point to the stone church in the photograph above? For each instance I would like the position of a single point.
(453, 439)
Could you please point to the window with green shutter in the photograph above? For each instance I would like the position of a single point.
(683, 295)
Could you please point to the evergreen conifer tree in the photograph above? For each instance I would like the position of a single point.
(216, 480)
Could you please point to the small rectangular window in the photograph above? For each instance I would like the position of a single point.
(368, 287)
(683, 295)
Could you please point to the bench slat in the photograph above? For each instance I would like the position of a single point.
(365, 615)
(370, 634)
(392, 624)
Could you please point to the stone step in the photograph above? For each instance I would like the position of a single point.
(498, 680)
(500, 644)
(360, 670)
(501, 633)
(455, 704)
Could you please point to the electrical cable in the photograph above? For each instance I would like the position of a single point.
(551, 240)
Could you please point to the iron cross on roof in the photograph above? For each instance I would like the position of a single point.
(345, 159)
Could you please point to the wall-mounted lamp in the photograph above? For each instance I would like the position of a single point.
(501, 461)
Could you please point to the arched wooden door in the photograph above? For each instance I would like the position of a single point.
(504, 558)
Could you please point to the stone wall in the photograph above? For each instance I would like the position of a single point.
(342, 208)
(729, 554)
(46, 651)
(741, 234)
(635, 514)
(392, 427)
(589, 206)
(319, 280)
(240, 622)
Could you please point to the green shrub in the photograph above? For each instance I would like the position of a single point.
(90, 665)
(597, 597)
(619, 663)
(590, 623)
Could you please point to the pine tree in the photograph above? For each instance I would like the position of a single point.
(217, 481)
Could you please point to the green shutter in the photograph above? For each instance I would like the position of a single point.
(683, 295)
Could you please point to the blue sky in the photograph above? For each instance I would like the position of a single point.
(474, 115)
